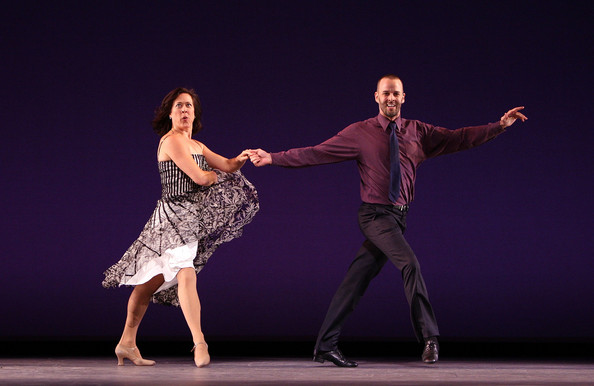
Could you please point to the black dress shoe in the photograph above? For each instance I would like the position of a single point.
(334, 356)
(431, 351)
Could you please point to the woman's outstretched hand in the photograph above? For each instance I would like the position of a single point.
(243, 157)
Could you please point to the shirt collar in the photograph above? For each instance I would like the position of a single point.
(384, 122)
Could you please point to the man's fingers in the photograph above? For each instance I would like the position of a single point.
(515, 114)
(515, 109)
(521, 116)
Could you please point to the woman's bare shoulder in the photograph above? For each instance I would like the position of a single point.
(168, 143)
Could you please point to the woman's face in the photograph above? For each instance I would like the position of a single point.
(182, 112)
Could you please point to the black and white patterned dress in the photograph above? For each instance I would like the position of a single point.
(188, 224)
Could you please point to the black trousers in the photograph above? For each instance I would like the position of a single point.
(383, 227)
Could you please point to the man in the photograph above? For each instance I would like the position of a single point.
(388, 149)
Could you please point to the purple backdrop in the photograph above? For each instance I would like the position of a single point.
(503, 232)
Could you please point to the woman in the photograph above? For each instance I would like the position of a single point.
(205, 202)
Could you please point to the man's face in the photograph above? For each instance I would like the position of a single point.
(389, 96)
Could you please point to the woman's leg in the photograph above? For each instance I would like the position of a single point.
(190, 305)
(137, 305)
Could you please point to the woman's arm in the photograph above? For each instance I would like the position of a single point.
(176, 147)
(228, 165)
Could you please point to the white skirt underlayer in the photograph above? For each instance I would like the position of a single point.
(168, 265)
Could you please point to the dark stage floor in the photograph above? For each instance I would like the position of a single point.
(292, 371)
(79, 362)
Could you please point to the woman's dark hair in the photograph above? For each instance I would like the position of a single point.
(162, 122)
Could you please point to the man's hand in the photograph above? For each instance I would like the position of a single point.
(260, 158)
(510, 117)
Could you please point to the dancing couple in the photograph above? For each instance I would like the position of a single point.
(206, 201)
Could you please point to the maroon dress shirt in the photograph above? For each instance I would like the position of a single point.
(368, 142)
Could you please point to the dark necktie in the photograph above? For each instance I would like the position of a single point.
(394, 165)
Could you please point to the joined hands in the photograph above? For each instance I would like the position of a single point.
(260, 157)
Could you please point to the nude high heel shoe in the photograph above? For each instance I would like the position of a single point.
(204, 359)
(133, 355)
